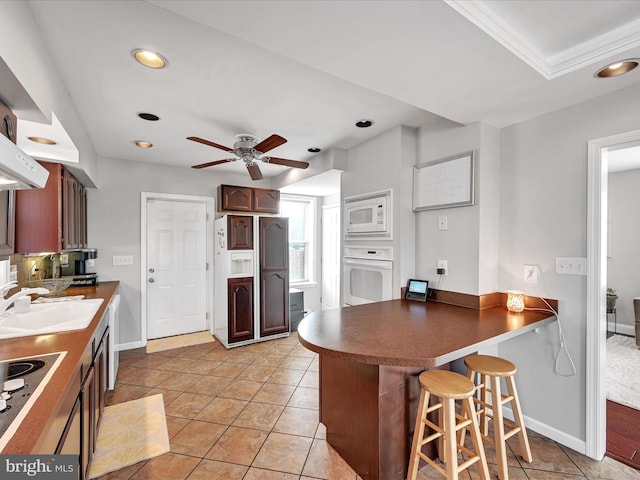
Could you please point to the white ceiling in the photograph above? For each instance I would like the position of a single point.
(308, 70)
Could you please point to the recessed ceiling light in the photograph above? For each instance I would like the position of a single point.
(314, 150)
(364, 123)
(42, 140)
(617, 68)
(149, 59)
(149, 116)
(144, 144)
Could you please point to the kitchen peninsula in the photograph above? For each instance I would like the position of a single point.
(370, 358)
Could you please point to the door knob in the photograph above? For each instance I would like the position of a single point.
(151, 280)
(151, 270)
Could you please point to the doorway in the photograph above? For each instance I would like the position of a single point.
(330, 256)
(597, 192)
(176, 278)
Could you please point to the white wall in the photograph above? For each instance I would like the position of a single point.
(543, 214)
(114, 221)
(623, 268)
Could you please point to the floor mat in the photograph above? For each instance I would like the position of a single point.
(623, 372)
(187, 340)
(129, 433)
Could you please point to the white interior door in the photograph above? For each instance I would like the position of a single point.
(176, 267)
(330, 257)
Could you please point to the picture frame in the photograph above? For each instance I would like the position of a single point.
(444, 183)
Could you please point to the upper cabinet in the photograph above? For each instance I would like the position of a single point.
(52, 218)
(246, 199)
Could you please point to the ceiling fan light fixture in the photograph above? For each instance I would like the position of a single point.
(618, 68)
(43, 140)
(143, 144)
(314, 150)
(149, 58)
(148, 116)
(364, 123)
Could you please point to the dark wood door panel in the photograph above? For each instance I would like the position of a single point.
(240, 228)
(266, 201)
(240, 302)
(274, 243)
(274, 302)
(239, 199)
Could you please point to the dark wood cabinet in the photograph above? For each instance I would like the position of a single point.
(101, 383)
(237, 199)
(240, 302)
(52, 218)
(266, 201)
(87, 422)
(240, 232)
(247, 199)
(274, 275)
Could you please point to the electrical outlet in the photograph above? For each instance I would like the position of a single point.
(571, 265)
(531, 274)
(91, 262)
(442, 222)
(64, 259)
(443, 264)
(120, 260)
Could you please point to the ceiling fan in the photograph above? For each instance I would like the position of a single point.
(247, 149)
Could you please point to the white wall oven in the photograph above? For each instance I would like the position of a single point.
(368, 216)
(367, 274)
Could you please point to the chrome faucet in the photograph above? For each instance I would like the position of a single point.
(7, 302)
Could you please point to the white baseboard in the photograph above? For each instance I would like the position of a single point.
(563, 438)
(622, 328)
(130, 346)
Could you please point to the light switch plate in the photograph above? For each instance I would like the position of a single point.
(571, 265)
(123, 260)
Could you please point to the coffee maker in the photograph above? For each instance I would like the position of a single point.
(73, 263)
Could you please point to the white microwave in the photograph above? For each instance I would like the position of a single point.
(368, 216)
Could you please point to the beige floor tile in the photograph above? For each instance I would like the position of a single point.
(546, 475)
(148, 377)
(221, 355)
(269, 359)
(168, 396)
(170, 466)
(297, 421)
(281, 348)
(241, 389)
(548, 456)
(608, 468)
(301, 351)
(222, 410)
(286, 376)
(243, 357)
(214, 470)
(127, 374)
(310, 380)
(284, 453)
(175, 364)
(229, 370)
(196, 438)
(261, 474)
(321, 432)
(202, 366)
(257, 347)
(274, 394)
(181, 382)
(175, 424)
(296, 363)
(144, 361)
(315, 365)
(324, 462)
(187, 405)
(210, 385)
(124, 393)
(258, 373)
(124, 473)
(305, 398)
(238, 445)
(260, 416)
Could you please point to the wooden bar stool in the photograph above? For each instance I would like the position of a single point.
(449, 387)
(490, 370)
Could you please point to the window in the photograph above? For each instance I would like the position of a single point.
(301, 213)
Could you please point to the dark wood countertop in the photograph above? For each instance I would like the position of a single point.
(405, 333)
(43, 413)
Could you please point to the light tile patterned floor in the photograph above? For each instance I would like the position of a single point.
(251, 413)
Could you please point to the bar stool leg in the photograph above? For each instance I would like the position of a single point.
(450, 449)
(468, 407)
(498, 428)
(418, 434)
(519, 421)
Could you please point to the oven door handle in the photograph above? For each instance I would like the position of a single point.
(384, 264)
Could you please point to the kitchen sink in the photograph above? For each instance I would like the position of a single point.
(49, 318)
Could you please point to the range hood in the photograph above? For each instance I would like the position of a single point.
(18, 171)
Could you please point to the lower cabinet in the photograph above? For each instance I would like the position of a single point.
(240, 304)
(80, 434)
(274, 302)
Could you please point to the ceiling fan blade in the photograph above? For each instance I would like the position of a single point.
(210, 164)
(254, 171)
(270, 143)
(288, 163)
(211, 144)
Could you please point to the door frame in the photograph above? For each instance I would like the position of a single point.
(597, 190)
(322, 253)
(210, 205)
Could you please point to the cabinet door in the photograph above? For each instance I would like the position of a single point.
(87, 422)
(234, 198)
(266, 201)
(69, 211)
(71, 439)
(274, 243)
(100, 383)
(274, 302)
(82, 217)
(240, 232)
(240, 291)
(39, 214)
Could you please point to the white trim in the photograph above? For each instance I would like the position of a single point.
(210, 205)
(622, 329)
(131, 345)
(596, 415)
(597, 49)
